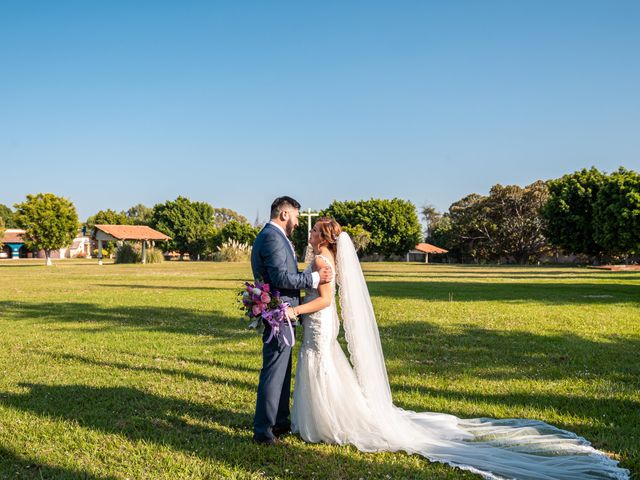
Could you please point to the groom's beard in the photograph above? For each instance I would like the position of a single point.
(289, 229)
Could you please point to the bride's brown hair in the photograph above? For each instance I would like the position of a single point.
(329, 230)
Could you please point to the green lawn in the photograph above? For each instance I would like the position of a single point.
(131, 371)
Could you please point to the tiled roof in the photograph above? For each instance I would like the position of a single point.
(428, 248)
(13, 235)
(132, 232)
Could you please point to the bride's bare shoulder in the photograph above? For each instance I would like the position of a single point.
(325, 259)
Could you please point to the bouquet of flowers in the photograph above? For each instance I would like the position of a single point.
(261, 302)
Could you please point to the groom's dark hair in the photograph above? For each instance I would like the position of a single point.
(282, 203)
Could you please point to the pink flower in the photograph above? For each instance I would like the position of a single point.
(265, 297)
(256, 310)
(266, 288)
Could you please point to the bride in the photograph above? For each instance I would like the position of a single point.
(335, 401)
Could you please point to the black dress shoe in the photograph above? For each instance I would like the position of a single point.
(267, 441)
(280, 431)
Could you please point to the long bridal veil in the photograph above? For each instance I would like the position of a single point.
(496, 449)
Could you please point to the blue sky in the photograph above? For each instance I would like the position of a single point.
(116, 103)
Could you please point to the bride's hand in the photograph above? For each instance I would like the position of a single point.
(291, 314)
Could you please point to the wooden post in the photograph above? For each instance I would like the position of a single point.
(144, 260)
(99, 252)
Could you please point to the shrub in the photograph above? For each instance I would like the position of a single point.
(232, 251)
(154, 255)
(105, 254)
(359, 236)
(128, 253)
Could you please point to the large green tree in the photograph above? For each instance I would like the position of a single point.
(470, 228)
(50, 222)
(393, 224)
(616, 213)
(300, 236)
(108, 217)
(222, 216)
(189, 224)
(505, 225)
(139, 214)
(569, 211)
(440, 234)
(519, 226)
(6, 214)
(241, 232)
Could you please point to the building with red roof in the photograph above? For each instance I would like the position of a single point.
(421, 252)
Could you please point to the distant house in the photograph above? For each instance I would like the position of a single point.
(81, 247)
(121, 233)
(14, 247)
(421, 252)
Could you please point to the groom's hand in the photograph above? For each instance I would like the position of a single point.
(326, 275)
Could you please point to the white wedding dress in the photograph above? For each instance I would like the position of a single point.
(335, 401)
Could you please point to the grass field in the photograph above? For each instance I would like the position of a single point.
(131, 371)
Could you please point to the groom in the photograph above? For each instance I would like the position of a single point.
(273, 260)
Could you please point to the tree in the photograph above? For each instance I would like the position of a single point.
(393, 224)
(50, 222)
(568, 212)
(471, 230)
(107, 217)
(441, 234)
(300, 236)
(519, 227)
(505, 225)
(616, 213)
(239, 231)
(189, 224)
(139, 214)
(431, 217)
(2, 229)
(222, 216)
(359, 236)
(6, 214)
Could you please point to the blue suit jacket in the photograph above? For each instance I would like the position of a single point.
(273, 262)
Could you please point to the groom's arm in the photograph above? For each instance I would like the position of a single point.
(275, 262)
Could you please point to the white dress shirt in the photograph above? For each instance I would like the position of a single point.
(314, 275)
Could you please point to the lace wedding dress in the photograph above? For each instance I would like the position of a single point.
(335, 401)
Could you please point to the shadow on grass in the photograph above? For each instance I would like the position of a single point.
(208, 431)
(506, 355)
(166, 287)
(14, 466)
(218, 379)
(549, 293)
(151, 318)
(487, 276)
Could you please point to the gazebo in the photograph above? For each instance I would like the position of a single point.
(120, 233)
(423, 250)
